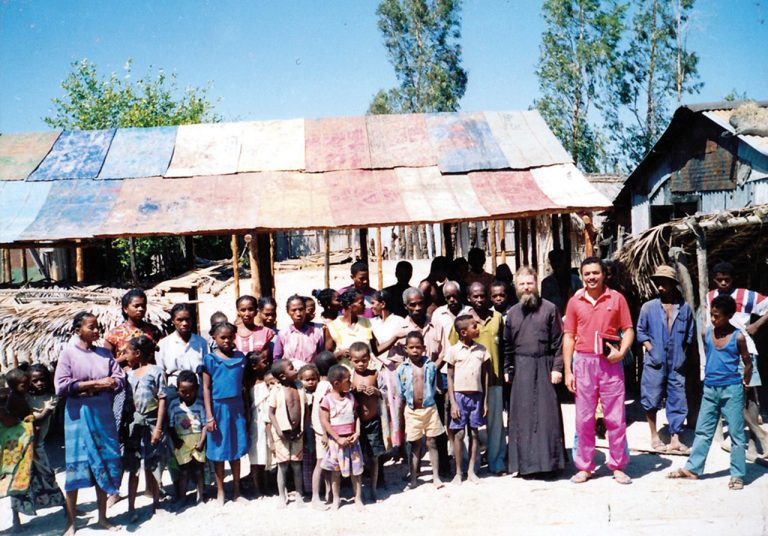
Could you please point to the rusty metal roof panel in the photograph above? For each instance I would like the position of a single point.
(77, 154)
(399, 140)
(464, 142)
(209, 149)
(337, 143)
(525, 139)
(272, 146)
(139, 152)
(73, 209)
(20, 154)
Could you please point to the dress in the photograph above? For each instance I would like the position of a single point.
(144, 394)
(535, 427)
(92, 448)
(230, 439)
(259, 337)
(187, 422)
(347, 460)
(384, 330)
(259, 451)
(345, 334)
(174, 354)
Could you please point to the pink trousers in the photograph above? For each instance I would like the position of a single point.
(596, 378)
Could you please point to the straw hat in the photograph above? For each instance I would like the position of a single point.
(667, 272)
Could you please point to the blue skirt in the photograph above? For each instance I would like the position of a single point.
(92, 449)
(230, 440)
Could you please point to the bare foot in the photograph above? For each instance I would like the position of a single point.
(113, 500)
(359, 506)
(335, 505)
(300, 503)
(69, 531)
(437, 483)
(413, 484)
(472, 477)
(457, 479)
(133, 517)
(621, 477)
(317, 505)
(220, 499)
(106, 525)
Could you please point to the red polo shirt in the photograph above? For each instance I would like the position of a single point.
(590, 323)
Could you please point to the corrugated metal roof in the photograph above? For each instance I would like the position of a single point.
(278, 175)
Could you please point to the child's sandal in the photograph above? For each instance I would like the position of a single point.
(735, 483)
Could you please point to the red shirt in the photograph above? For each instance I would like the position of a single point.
(590, 324)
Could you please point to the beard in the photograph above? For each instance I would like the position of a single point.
(529, 300)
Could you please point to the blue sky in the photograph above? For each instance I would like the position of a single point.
(282, 59)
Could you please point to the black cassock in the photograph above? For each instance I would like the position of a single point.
(532, 350)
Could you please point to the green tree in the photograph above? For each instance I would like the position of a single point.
(92, 101)
(422, 42)
(657, 71)
(579, 54)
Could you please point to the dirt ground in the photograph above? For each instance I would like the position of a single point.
(496, 505)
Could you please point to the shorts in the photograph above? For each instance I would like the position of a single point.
(422, 421)
(288, 450)
(345, 460)
(320, 448)
(470, 407)
(372, 438)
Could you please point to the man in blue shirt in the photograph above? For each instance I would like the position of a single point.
(665, 328)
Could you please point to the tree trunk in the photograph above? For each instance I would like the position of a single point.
(650, 104)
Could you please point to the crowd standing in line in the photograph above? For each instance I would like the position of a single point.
(381, 375)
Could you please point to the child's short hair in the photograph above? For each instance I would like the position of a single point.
(349, 297)
(293, 298)
(39, 368)
(278, 367)
(187, 376)
(360, 347)
(324, 361)
(144, 345)
(15, 376)
(218, 317)
(337, 373)
(414, 335)
(723, 267)
(324, 296)
(264, 301)
(358, 267)
(462, 322)
(724, 303)
(246, 297)
(309, 368)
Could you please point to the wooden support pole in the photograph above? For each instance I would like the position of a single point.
(24, 274)
(518, 249)
(492, 244)
(703, 286)
(364, 244)
(524, 241)
(534, 245)
(132, 254)
(379, 260)
(236, 266)
(503, 240)
(253, 247)
(7, 273)
(327, 255)
(79, 265)
(189, 250)
(272, 263)
(566, 221)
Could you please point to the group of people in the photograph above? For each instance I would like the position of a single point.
(378, 375)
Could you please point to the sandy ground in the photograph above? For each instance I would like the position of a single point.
(496, 505)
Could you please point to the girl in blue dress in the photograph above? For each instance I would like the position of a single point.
(223, 394)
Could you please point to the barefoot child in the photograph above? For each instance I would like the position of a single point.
(42, 490)
(365, 387)
(186, 426)
(143, 444)
(258, 391)
(309, 378)
(223, 395)
(723, 393)
(338, 415)
(417, 386)
(468, 364)
(287, 413)
(324, 361)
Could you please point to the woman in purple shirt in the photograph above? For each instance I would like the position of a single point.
(87, 377)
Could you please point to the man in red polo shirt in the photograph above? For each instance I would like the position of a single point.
(592, 353)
